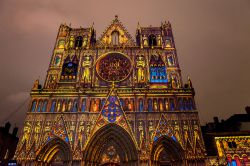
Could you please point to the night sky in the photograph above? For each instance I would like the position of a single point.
(212, 39)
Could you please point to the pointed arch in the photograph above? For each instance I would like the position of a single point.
(52, 149)
(111, 135)
(165, 150)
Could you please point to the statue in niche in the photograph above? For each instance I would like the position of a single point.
(26, 132)
(140, 64)
(159, 40)
(145, 40)
(170, 60)
(131, 105)
(64, 106)
(175, 82)
(166, 105)
(81, 134)
(37, 131)
(88, 130)
(85, 41)
(86, 64)
(52, 82)
(95, 105)
(47, 131)
(141, 131)
(151, 131)
(155, 105)
(70, 105)
(58, 106)
(176, 133)
(161, 106)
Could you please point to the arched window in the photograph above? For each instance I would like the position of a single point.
(185, 104)
(69, 69)
(83, 105)
(180, 104)
(140, 105)
(191, 104)
(155, 105)
(70, 104)
(115, 37)
(75, 106)
(172, 105)
(166, 104)
(161, 108)
(78, 42)
(45, 103)
(53, 106)
(39, 107)
(59, 106)
(150, 105)
(131, 105)
(152, 40)
(33, 107)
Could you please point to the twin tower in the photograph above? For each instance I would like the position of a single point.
(112, 101)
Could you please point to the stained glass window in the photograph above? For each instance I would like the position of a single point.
(75, 106)
(150, 106)
(39, 106)
(45, 106)
(171, 104)
(83, 105)
(33, 107)
(140, 105)
(53, 105)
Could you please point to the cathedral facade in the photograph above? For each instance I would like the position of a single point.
(112, 101)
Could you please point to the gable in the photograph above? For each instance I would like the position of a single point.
(116, 26)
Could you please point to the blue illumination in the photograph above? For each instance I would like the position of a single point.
(141, 106)
(33, 106)
(45, 106)
(158, 74)
(150, 106)
(75, 106)
(83, 105)
(53, 106)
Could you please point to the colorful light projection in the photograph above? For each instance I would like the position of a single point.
(236, 149)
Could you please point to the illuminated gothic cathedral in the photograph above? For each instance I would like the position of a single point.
(112, 101)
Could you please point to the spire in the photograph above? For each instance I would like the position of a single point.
(138, 25)
(190, 85)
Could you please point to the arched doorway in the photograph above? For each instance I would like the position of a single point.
(55, 153)
(111, 146)
(167, 152)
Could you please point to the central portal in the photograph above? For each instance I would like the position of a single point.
(111, 145)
